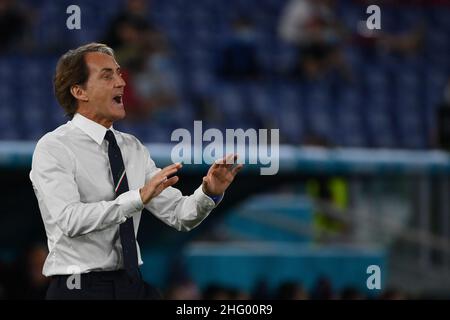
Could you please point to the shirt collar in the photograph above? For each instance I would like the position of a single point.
(93, 129)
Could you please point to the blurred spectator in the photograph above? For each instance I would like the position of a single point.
(316, 140)
(237, 294)
(312, 26)
(14, 24)
(238, 58)
(322, 289)
(371, 42)
(261, 290)
(332, 190)
(27, 281)
(351, 293)
(291, 291)
(393, 294)
(134, 13)
(216, 292)
(129, 41)
(186, 290)
(126, 35)
(156, 81)
(206, 109)
(144, 55)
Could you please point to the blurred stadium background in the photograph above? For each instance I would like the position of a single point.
(364, 126)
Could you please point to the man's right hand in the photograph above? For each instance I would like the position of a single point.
(159, 182)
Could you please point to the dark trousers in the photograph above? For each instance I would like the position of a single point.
(105, 285)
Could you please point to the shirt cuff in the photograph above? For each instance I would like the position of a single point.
(203, 198)
(131, 202)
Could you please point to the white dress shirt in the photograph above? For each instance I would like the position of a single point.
(73, 184)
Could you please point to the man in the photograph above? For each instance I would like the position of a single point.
(313, 27)
(92, 182)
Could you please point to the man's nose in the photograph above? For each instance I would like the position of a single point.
(120, 82)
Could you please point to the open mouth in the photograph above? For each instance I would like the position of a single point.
(118, 99)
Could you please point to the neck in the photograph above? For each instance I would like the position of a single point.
(91, 116)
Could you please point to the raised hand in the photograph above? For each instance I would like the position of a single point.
(159, 182)
(220, 175)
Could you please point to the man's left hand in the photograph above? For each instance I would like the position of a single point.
(220, 175)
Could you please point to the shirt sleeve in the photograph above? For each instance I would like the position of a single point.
(53, 178)
(180, 212)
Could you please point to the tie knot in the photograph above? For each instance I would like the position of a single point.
(109, 136)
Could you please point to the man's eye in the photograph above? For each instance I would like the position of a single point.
(107, 76)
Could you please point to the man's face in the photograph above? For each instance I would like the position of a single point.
(104, 89)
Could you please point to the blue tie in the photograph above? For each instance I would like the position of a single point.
(126, 229)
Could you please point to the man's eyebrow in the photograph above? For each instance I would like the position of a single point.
(106, 70)
(109, 70)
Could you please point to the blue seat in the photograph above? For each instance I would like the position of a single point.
(230, 101)
(351, 134)
(380, 128)
(201, 80)
(261, 100)
(7, 70)
(290, 124)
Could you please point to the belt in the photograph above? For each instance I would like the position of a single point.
(97, 276)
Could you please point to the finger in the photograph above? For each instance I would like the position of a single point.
(224, 160)
(170, 169)
(175, 166)
(167, 183)
(215, 165)
(166, 172)
(231, 160)
(169, 172)
(219, 162)
(158, 180)
(170, 182)
(237, 169)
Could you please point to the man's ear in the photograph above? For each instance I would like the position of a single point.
(79, 93)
